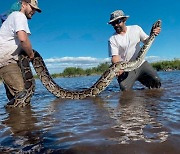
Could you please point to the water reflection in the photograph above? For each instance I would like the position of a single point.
(137, 117)
(24, 132)
(106, 122)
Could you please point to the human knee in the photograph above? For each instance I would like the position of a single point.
(13, 79)
(19, 86)
(125, 87)
(156, 83)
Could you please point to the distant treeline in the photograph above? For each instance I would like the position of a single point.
(76, 71)
(167, 65)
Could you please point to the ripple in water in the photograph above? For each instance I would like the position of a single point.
(107, 122)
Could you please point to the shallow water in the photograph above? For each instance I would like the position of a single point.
(138, 121)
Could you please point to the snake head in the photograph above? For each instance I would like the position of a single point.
(155, 25)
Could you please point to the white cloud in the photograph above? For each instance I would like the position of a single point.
(76, 60)
(57, 65)
(152, 59)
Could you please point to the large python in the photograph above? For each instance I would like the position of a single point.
(23, 98)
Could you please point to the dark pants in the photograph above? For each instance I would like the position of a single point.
(144, 74)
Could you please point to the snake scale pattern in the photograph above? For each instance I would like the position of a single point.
(24, 97)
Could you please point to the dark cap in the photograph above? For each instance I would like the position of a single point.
(34, 4)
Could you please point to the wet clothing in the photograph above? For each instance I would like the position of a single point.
(9, 51)
(127, 46)
(145, 74)
(12, 79)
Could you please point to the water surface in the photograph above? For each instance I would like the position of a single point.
(138, 121)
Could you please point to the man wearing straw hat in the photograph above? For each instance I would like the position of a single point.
(124, 46)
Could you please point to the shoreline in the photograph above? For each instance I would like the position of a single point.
(71, 76)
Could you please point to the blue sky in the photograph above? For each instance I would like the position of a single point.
(75, 32)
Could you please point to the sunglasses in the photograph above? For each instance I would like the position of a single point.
(118, 21)
(32, 7)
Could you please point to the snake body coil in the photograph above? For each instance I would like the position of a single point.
(23, 98)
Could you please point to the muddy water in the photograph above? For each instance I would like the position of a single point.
(138, 121)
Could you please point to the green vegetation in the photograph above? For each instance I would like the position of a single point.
(167, 65)
(73, 71)
(76, 71)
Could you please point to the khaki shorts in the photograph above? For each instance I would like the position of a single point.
(12, 79)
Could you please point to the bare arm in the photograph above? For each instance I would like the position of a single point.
(115, 59)
(25, 43)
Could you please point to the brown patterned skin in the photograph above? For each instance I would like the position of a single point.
(24, 97)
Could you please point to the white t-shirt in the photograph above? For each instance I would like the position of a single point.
(9, 43)
(127, 45)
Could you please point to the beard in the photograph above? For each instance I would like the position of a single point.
(118, 29)
(29, 15)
